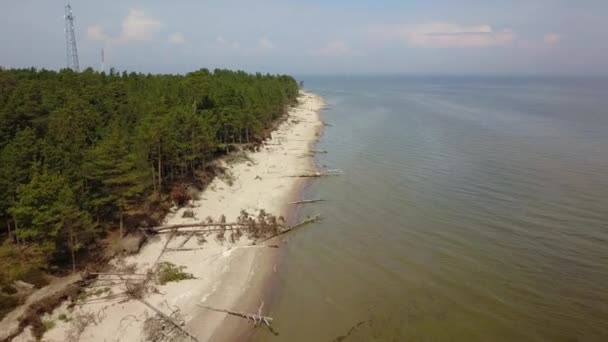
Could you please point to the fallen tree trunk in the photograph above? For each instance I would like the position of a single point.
(307, 201)
(301, 223)
(118, 274)
(256, 319)
(198, 230)
(298, 225)
(163, 250)
(183, 249)
(169, 320)
(190, 225)
(318, 174)
(183, 243)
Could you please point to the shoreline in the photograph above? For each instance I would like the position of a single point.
(231, 276)
(237, 329)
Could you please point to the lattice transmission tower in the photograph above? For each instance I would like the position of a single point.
(70, 40)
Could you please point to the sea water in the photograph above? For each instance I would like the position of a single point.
(469, 209)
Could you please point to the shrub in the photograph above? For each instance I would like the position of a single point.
(48, 324)
(168, 272)
(25, 265)
(7, 304)
(9, 289)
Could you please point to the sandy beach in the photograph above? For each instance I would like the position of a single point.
(227, 275)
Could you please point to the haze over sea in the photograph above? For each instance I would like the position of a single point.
(470, 209)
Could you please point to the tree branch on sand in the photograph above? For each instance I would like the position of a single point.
(255, 319)
(318, 174)
(225, 225)
(153, 329)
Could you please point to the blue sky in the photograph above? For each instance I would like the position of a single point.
(300, 37)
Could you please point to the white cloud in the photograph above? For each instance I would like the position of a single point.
(137, 26)
(265, 44)
(96, 32)
(177, 38)
(333, 49)
(552, 39)
(222, 42)
(448, 35)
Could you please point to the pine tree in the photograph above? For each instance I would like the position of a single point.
(45, 207)
(117, 172)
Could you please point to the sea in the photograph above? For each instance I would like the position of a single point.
(469, 208)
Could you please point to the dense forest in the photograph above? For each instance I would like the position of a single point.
(79, 151)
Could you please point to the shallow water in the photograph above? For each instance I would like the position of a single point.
(470, 209)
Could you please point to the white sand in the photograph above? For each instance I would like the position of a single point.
(223, 272)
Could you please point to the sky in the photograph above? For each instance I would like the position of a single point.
(314, 37)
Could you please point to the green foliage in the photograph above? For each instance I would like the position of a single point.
(116, 173)
(48, 324)
(40, 206)
(78, 148)
(17, 159)
(168, 272)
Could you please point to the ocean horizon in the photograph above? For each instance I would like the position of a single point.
(470, 209)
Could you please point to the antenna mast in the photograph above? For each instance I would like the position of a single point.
(103, 62)
(70, 40)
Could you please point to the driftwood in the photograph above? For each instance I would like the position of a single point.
(318, 174)
(118, 274)
(257, 246)
(307, 201)
(298, 225)
(163, 250)
(183, 243)
(256, 319)
(169, 320)
(301, 223)
(200, 229)
(318, 151)
(191, 225)
(183, 249)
